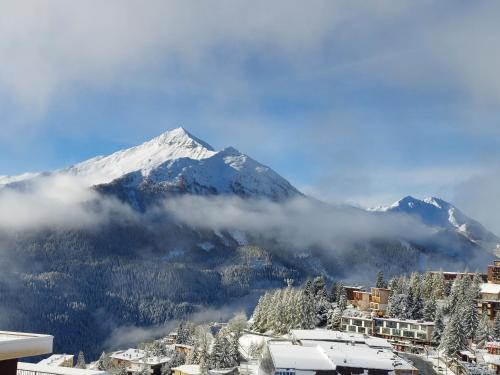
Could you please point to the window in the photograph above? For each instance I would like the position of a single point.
(386, 331)
(410, 334)
(404, 326)
(358, 323)
(396, 332)
(421, 336)
(379, 323)
(391, 324)
(361, 330)
(352, 329)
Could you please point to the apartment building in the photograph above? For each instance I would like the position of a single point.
(363, 325)
(401, 333)
(379, 301)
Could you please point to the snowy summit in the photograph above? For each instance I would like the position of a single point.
(178, 162)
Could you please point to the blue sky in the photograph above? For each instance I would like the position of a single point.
(351, 101)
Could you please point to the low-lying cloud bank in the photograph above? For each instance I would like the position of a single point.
(299, 223)
(56, 201)
(65, 202)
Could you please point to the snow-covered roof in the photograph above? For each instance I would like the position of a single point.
(488, 288)
(152, 360)
(411, 321)
(188, 369)
(377, 342)
(362, 356)
(19, 345)
(299, 357)
(45, 369)
(325, 335)
(56, 359)
(129, 354)
(312, 336)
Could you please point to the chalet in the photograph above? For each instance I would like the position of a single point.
(136, 359)
(492, 358)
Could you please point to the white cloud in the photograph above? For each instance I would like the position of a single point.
(478, 197)
(56, 202)
(51, 47)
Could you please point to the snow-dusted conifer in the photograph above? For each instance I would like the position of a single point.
(496, 328)
(483, 333)
(429, 313)
(437, 333)
(380, 280)
(453, 339)
(334, 319)
(80, 363)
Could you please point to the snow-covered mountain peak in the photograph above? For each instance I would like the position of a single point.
(438, 213)
(179, 137)
(171, 145)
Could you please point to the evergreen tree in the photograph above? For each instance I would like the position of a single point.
(223, 351)
(340, 291)
(308, 287)
(438, 285)
(483, 333)
(333, 292)
(80, 363)
(319, 287)
(104, 362)
(430, 307)
(408, 305)
(427, 286)
(334, 319)
(470, 318)
(496, 327)
(122, 370)
(437, 333)
(453, 339)
(417, 309)
(380, 280)
(342, 303)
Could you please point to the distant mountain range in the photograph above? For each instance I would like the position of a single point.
(82, 284)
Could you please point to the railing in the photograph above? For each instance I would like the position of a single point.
(31, 372)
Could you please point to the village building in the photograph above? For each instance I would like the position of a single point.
(186, 370)
(361, 300)
(325, 352)
(492, 357)
(379, 301)
(402, 333)
(350, 293)
(136, 359)
(41, 369)
(357, 324)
